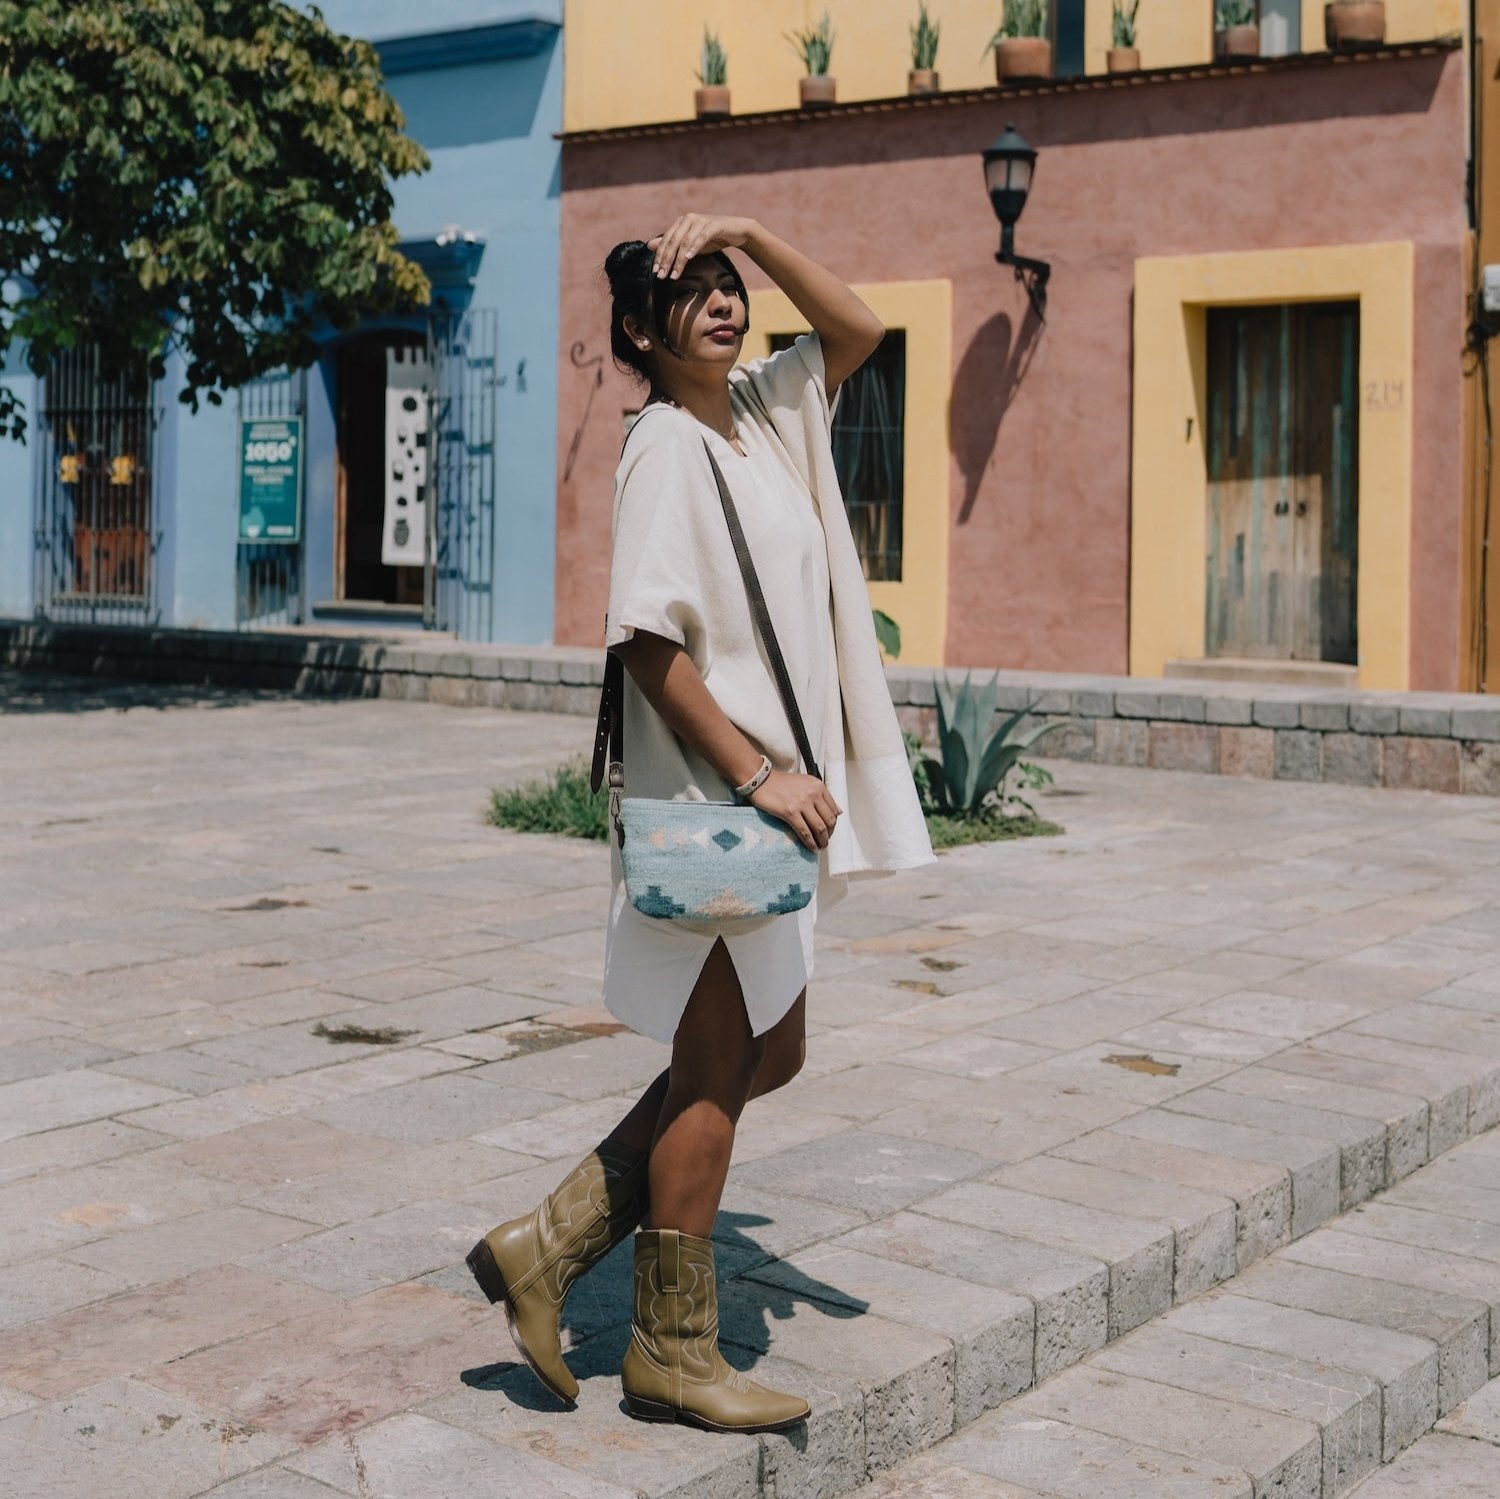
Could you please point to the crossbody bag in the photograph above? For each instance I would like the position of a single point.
(717, 862)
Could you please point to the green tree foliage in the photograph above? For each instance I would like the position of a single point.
(213, 174)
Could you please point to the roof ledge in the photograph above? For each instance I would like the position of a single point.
(458, 46)
(1082, 84)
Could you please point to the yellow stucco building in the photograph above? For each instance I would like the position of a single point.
(635, 63)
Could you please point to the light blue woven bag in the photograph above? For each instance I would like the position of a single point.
(711, 861)
(719, 862)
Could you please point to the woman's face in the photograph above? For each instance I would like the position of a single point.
(706, 315)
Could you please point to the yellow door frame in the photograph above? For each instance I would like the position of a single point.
(1169, 473)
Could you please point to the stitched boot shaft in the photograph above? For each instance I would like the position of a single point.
(673, 1369)
(530, 1262)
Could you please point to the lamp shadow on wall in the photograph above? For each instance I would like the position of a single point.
(989, 375)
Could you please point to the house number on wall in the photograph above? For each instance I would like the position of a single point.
(1385, 395)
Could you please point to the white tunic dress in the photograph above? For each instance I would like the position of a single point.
(674, 574)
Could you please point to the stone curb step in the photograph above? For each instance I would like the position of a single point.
(1299, 1379)
(1182, 1246)
(1185, 1246)
(1447, 742)
(1081, 1245)
(1459, 1459)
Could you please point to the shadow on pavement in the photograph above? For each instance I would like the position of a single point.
(57, 692)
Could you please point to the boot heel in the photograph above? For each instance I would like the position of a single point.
(482, 1266)
(649, 1410)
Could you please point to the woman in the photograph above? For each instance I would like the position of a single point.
(705, 721)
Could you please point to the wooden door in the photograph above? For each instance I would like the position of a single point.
(1283, 505)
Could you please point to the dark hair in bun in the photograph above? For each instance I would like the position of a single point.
(636, 292)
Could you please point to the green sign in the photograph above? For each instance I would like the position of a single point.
(271, 479)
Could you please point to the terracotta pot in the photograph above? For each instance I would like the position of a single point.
(1352, 25)
(818, 90)
(1123, 60)
(711, 101)
(1237, 42)
(923, 81)
(1022, 59)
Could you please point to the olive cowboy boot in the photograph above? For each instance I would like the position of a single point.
(673, 1369)
(530, 1262)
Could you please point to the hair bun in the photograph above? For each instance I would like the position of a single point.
(626, 263)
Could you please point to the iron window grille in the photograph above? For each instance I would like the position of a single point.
(94, 544)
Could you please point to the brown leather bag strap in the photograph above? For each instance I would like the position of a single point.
(762, 616)
(611, 726)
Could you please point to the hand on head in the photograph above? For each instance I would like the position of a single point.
(694, 234)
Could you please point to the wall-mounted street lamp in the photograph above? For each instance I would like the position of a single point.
(1008, 167)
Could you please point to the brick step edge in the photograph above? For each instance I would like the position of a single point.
(1369, 1387)
(1445, 742)
(864, 1426)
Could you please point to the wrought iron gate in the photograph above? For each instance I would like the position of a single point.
(94, 546)
(459, 585)
(268, 575)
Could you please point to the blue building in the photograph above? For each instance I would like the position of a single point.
(426, 445)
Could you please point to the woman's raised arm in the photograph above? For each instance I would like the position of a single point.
(848, 330)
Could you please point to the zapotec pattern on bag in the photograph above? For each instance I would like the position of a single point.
(712, 861)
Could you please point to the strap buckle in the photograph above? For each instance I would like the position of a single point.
(616, 791)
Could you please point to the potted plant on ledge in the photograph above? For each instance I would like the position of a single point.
(1124, 56)
(1022, 50)
(923, 78)
(711, 101)
(1354, 25)
(815, 47)
(1236, 35)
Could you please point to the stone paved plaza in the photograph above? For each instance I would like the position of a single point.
(1146, 1162)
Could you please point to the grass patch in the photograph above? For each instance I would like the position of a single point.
(562, 803)
(956, 832)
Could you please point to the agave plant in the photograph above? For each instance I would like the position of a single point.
(713, 62)
(1123, 23)
(1020, 18)
(1229, 13)
(814, 46)
(924, 41)
(970, 775)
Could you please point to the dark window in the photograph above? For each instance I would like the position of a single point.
(869, 453)
(1067, 37)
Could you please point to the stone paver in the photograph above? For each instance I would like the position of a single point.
(1144, 1112)
(1301, 1381)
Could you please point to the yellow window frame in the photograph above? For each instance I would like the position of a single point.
(924, 311)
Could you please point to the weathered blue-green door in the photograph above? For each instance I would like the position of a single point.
(1283, 485)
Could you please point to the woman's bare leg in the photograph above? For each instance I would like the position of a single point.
(785, 1051)
(638, 1128)
(714, 1062)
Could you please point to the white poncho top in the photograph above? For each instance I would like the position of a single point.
(674, 574)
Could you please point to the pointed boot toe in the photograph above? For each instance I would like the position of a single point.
(501, 1261)
(528, 1264)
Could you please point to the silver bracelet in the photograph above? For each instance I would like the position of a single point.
(745, 792)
